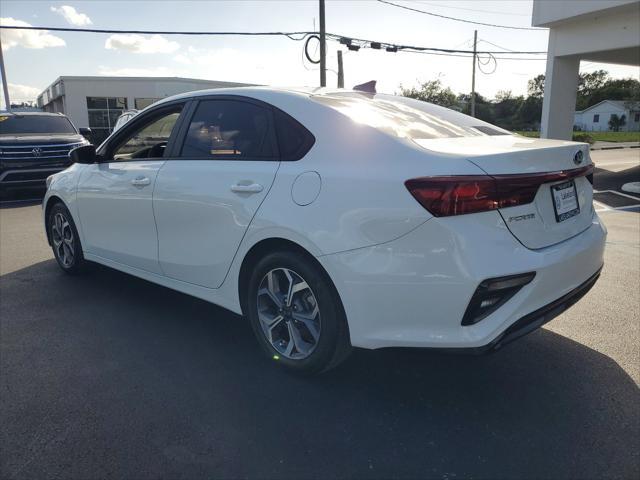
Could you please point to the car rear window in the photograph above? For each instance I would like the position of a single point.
(34, 125)
(405, 117)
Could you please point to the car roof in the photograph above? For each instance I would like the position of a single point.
(31, 114)
(259, 92)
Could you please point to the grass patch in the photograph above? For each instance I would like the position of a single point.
(615, 136)
(596, 136)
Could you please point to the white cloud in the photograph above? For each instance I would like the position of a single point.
(182, 58)
(21, 93)
(141, 44)
(72, 16)
(136, 72)
(233, 65)
(222, 56)
(27, 38)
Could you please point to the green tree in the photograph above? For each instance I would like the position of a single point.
(535, 87)
(626, 89)
(431, 91)
(505, 109)
(529, 114)
(593, 88)
(484, 108)
(617, 122)
(588, 85)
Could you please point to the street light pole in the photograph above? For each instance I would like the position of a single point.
(473, 74)
(323, 47)
(5, 85)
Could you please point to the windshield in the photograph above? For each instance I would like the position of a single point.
(34, 125)
(407, 118)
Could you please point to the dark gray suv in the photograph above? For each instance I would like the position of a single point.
(34, 145)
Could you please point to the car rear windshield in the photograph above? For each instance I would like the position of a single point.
(34, 125)
(405, 117)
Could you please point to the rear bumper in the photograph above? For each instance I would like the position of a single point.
(536, 319)
(413, 291)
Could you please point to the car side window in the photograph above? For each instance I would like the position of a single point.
(230, 129)
(150, 139)
(294, 140)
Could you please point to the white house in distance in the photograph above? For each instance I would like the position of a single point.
(596, 117)
(97, 102)
(605, 31)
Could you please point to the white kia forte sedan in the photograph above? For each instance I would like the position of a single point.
(337, 219)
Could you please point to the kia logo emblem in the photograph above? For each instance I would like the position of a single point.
(36, 152)
(577, 158)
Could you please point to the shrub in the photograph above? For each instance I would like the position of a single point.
(582, 137)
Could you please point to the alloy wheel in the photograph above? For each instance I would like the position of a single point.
(288, 313)
(63, 241)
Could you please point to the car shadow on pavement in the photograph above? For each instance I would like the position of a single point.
(18, 203)
(105, 375)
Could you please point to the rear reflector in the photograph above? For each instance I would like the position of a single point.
(491, 294)
(459, 195)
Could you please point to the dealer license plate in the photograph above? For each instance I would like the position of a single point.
(565, 200)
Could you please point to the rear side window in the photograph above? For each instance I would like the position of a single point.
(229, 129)
(294, 141)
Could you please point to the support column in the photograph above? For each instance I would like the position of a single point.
(560, 89)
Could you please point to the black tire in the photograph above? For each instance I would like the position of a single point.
(332, 345)
(67, 251)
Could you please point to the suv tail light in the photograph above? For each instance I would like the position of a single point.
(459, 195)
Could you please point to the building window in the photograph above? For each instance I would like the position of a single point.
(596, 118)
(637, 118)
(103, 114)
(141, 103)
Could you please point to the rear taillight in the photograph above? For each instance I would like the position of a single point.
(459, 195)
(444, 196)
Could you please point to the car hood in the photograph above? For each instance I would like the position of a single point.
(40, 139)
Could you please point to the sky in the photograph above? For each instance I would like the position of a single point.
(33, 60)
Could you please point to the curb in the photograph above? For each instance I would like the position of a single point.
(614, 148)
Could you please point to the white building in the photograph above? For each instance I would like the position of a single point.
(592, 30)
(97, 102)
(596, 117)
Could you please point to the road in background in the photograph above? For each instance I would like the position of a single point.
(105, 375)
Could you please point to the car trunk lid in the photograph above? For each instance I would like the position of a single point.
(559, 172)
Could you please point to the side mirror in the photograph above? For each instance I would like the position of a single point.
(85, 154)
(84, 131)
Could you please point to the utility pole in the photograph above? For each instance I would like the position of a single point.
(340, 70)
(473, 74)
(5, 85)
(323, 47)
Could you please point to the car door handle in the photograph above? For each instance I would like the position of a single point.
(251, 188)
(140, 181)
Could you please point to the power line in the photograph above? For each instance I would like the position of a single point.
(290, 35)
(458, 19)
(301, 35)
(438, 5)
(497, 46)
(471, 56)
(364, 43)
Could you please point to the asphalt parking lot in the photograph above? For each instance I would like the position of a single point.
(107, 376)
